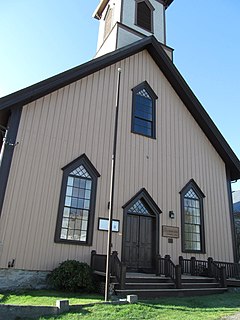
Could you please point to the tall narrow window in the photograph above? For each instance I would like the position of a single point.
(144, 110)
(192, 218)
(77, 202)
(144, 15)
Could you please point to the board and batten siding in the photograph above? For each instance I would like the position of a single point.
(79, 118)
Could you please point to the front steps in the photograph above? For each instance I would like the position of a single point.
(151, 286)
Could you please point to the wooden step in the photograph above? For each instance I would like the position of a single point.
(156, 293)
(196, 285)
(148, 285)
(199, 280)
(233, 283)
(149, 280)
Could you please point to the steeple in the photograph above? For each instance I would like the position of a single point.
(123, 22)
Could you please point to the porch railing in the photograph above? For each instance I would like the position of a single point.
(219, 273)
(98, 261)
(209, 268)
(232, 269)
(165, 266)
(117, 268)
(193, 266)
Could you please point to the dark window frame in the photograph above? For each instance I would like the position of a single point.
(82, 160)
(192, 185)
(151, 8)
(154, 97)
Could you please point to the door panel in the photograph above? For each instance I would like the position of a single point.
(131, 241)
(146, 245)
(139, 242)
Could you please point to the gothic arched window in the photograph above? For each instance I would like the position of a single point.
(192, 218)
(144, 110)
(77, 202)
(144, 15)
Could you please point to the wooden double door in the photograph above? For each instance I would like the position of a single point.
(139, 242)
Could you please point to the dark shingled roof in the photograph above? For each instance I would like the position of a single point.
(180, 86)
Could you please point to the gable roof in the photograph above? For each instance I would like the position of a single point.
(29, 94)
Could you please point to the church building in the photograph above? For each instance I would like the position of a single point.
(173, 167)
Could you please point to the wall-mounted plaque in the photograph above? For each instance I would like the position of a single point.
(170, 232)
(103, 225)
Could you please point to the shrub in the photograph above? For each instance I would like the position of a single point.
(72, 275)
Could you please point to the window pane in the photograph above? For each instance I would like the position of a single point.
(83, 236)
(70, 234)
(65, 223)
(82, 183)
(76, 182)
(74, 202)
(143, 104)
(87, 194)
(69, 191)
(80, 203)
(66, 212)
(86, 204)
(85, 215)
(84, 225)
(70, 181)
(144, 115)
(143, 130)
(67, 201)
(63, 234)
(143, 123)
(88, 184)
(78, 224)
(81, 193)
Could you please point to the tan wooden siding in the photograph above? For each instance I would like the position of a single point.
(78, 119)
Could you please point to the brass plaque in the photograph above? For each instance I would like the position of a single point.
(170, 232)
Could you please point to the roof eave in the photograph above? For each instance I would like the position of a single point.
(168, 2)
(99, 10)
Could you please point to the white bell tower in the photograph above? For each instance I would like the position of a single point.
(123, 22)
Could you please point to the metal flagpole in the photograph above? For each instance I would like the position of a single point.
(110, 212)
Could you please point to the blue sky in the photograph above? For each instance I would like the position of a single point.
(42, 38)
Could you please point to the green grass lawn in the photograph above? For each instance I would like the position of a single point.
(46, 297)
(189, 308)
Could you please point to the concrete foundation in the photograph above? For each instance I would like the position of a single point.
(12, 279)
